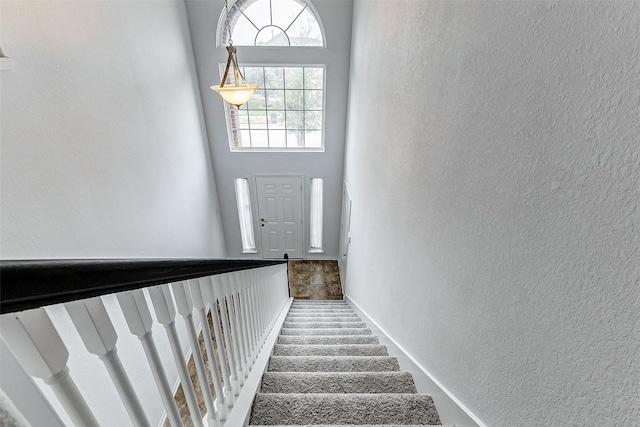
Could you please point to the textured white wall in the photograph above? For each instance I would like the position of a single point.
(493, 156)
(336, 17)
(104, 152)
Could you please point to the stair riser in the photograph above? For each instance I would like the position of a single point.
(324, 325)
(367, 382)
(304, 313)
(327, 340)
(315, 305)
(322, 319)
(333, 364)
(330, 350)
(321, 331)
(309, 409)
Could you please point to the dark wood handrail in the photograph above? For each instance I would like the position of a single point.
(26, 284)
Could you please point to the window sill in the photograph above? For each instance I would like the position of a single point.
(250, 252)
(315, 251)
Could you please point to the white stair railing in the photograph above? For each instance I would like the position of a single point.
(244, 307)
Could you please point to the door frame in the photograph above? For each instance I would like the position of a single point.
(256, 219)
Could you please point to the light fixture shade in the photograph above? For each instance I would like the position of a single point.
(236, 95)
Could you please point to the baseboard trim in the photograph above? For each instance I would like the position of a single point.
(427, 373)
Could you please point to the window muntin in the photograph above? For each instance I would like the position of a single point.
(273, 23)
(286, 112)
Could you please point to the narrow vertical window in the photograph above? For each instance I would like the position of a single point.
(244, 215)
(316, 215)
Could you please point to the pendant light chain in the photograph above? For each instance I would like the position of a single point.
(241, 91)
(226, 19)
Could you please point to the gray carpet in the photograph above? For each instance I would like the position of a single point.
(328, 370)
(327, 339)
(329, 331)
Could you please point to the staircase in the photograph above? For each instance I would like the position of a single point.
(328, 369)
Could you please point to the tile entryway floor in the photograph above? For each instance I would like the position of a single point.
(314, 280)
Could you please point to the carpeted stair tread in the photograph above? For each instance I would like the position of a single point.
(361, 425)
(301, 409)
(337, 382)
(319, 306)
(326, 325)
(326, 331)
(320, 319)
(330, 350)
(333, 364)
(318, 301)
(328, 369)
(321, 314)
(327, 340)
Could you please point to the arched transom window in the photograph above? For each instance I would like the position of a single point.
(273, 23)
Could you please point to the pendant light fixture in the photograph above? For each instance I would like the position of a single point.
(241, 91)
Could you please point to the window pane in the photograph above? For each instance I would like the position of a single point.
(313, 99)
(305, 30)
(259, 138)
(284, 12)
(273, 78)
(273, 22)
(272, 36)
(245, 139)
(316, 220)
(276, 119)
(275, 99)
(295, 120)
(277, 138)
(293, 78)
(257, 119)
(295, 139)
(286, 114)
(240, 119)
(259, 12)
(313, 78)
(294, 99)
(254, 75)
(257, 100)
(244, 33)
(313, 139)
(245, 216)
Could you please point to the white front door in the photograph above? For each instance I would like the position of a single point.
(280, 214)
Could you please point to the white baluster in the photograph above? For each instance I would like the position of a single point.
(199, 304)
(232, 327)
(242, 332)
(210, 297)
(256, 316)
(35, 343)
(236, 326)
(226, 330)
(262, 303)
(99, 337)
(166, 314)
(136, 313)
(254, 322)
(242, 283)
